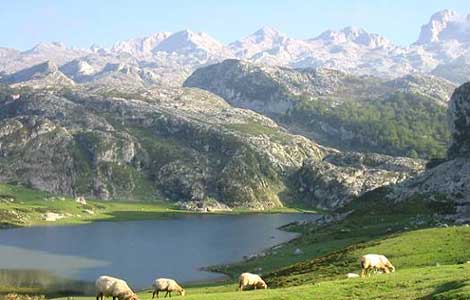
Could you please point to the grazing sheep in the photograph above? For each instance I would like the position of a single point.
(352, 275)
(248, 280)
(109, 286)
(168, 286)
(375, 262)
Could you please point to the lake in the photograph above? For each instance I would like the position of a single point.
(140, 251)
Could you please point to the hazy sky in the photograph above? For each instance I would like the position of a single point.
(83, 22)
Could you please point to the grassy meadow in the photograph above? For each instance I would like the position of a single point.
(432, 259)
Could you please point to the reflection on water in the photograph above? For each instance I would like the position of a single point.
(139, 251)
(26, 259)
(41, 282)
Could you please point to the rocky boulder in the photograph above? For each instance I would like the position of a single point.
(340, 177)
(459, 122)
(448, 181)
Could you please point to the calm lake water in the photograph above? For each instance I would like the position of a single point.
(140, 251)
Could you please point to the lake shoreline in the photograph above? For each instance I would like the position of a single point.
(217, 269)
(31, 209)
(155, 216)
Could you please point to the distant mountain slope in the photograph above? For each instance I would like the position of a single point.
(404, 116)
(41, 75)
(56, 53)
(457, 70)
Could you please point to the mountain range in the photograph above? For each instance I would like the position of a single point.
(262, 122)
(169, 58)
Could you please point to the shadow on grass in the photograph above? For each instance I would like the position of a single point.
(449, 290)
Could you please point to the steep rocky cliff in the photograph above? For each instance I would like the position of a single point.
(448, 181)
(459, 121)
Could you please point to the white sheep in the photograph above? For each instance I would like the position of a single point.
(352, 275)
(375, 262)
(168, 286)
(109, 286)
(253, 281)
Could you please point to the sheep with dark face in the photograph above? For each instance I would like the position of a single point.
(251, 281)
(371, 262)
(168, 286)
(108, 286)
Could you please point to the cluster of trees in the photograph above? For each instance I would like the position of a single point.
(5, 91)
(402, 124)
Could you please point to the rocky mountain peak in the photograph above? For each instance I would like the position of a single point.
(459, 122)
(187, 41)
(445, 25)
(77, 68)
(261, 40)
(354, 34)
(140, 46)
(46, 46)
(97, 49)
(267, 32)
(438, 22)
